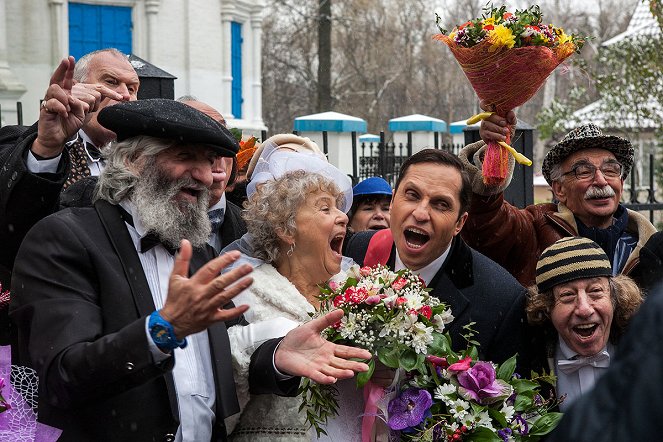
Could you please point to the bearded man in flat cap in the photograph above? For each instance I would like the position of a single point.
(129, 345)
(586, 171)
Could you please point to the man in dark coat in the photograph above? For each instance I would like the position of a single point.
(126, 344)
(428, 210)
(37, 162)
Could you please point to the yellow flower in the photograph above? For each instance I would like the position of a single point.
(452, 35)
(499, 37)
(563, 38)
(489, 21)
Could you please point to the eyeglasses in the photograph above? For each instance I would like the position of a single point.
(587, 171)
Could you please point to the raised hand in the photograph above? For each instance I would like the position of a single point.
(195, 303)
(303, 352)
(496, 127)
(63, 110)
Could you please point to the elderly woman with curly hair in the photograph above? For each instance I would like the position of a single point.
(296, 221)
(583, 310)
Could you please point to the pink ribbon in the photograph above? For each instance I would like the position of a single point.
(372, 394)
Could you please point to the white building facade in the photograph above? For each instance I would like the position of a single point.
(213, 47)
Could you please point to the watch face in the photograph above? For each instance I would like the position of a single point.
(160, 334)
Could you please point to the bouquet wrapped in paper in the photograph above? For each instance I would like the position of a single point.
(437, 394)
(507, 58)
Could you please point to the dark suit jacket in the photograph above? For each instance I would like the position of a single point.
(233, 226)
(477, 290)
(26, 197)
(79, 300)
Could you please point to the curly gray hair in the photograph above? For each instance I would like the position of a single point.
(117, 180)
(272, 209)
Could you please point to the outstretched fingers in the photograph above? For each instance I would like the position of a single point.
(182, 260)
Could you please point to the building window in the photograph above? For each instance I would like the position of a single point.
(236, 68)
(93, 27)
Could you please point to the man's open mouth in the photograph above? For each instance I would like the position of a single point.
(415, 238)
(585, 330)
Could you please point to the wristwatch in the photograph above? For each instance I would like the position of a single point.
(163, 334)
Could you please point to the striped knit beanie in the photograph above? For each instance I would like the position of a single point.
(569, 259)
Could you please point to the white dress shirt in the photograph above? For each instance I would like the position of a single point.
(50, 165)
(427, 273)
(192, 373)
(580, 381)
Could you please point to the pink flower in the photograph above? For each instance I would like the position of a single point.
(365, 271)
(399, 283)
(462, 365)
(334, 285)
(372, 300)
(401, 300)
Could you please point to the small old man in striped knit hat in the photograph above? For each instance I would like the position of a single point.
(584, 309)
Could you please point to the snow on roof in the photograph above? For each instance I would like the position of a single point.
(642, 23)
(595, 113)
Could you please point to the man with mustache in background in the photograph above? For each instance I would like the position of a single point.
(586, 171)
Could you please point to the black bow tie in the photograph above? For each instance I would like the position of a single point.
(148, 241)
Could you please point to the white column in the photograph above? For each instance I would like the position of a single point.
(226, 72)
(11, 89)
(59, 32)
(256, 68)
(151, 11)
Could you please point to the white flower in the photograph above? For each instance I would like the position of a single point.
(447, 317)
(444, 390)
(483, 420)
(349, 326)
(458, 409)
(421, 337)
(507, 411)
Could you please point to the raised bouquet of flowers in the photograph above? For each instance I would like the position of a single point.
(443, 396)
(507, 57)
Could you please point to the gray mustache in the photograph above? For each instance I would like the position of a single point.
(599, 192)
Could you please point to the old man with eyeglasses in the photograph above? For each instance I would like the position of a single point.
(586, 171)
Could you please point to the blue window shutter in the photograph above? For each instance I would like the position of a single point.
(236, 68)
(93, 27)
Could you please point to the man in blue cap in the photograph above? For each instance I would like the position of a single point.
(370, 206)
(127, 342)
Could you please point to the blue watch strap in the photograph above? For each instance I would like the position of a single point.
(163, 334)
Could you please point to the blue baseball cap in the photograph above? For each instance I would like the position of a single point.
(372, 186)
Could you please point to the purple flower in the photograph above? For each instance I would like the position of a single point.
(479, 384)
(504, 434)
(409, 409)
(520, 424)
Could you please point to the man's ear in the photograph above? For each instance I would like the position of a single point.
(559, 192)
(460, 223)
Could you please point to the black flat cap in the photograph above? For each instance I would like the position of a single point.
(169, 119)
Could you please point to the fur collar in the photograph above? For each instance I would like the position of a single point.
(270, 287)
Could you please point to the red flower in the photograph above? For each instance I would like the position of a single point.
(437, 361)
(464, 25)
(507, 15)
(401, 300)
(426, 311)
(338, 300)
(488, 28)
(462, 365)
(399, 283)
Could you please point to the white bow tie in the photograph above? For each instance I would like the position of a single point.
(599, 360)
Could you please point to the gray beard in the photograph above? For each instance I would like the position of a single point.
(169, 219)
